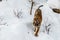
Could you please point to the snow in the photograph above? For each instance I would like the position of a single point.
(54, 3)
(14, 28)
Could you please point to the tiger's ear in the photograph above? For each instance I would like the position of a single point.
(56, 10)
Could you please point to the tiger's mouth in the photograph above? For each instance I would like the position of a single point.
(35, 23)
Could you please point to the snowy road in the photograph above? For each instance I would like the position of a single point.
(13, 28)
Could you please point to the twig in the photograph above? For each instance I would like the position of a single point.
(56, 10)
(31, 7)
(48, 28)
(17, 13)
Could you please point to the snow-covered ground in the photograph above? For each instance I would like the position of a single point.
(14, 28)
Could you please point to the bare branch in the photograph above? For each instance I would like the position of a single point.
(18, 14)
(48, 28)
(31, 7)
(56, 10)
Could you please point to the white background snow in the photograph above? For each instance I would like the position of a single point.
(14, 28)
